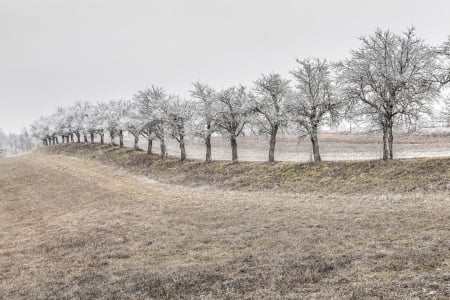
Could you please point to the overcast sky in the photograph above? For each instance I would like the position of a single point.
(55, 52)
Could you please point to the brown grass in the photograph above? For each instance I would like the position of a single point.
(375, 176)
(76, 228)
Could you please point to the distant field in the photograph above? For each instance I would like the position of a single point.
(91, 225)
(333, 147)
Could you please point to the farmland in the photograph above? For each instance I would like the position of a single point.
(92, 221)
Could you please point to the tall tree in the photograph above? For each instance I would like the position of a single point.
(272, 91)
(315, 101)
(391, 78)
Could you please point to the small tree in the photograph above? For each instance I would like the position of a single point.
(389, 79)
(233, 112)
(204, 115)
(272, 91)
(314, 101)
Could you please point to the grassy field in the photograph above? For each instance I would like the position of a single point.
(98, 222)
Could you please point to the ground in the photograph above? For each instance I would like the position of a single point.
(77, 227)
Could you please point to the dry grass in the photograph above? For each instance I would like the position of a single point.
(376, 176)
(75, 228)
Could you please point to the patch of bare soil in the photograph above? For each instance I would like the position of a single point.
(74, 228)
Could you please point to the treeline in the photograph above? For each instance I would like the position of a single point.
(391, 80)
(13, 143)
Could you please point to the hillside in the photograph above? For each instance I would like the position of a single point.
(376, 176)
(89, 225)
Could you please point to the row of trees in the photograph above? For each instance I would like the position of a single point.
(391, 79)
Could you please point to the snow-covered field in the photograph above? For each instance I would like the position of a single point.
(333, 146)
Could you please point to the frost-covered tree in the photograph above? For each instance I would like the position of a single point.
(315, 100)
(122, 111)
(113, 116)
(390, 79)
(13, 143)
(80, 112)
(3, 142)
(131, 122)
(178, 112)
(96, 122)
(101, 115)
(443, 54)
(150, 107)
(233, 112)
(62, 121)
(40, 130)
(204, 115)
(272, 91)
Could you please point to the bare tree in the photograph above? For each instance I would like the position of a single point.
(205, 115)
(389, 79)
(272, 91)
(233, 113)
(314, 102)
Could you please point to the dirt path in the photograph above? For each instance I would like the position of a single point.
(74, 228)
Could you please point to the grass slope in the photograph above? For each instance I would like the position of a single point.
(76, 228)
(406, 175)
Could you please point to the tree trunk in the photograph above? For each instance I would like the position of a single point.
(208, 148)
(85, 137)
(78, 137)
(234, 153)
(45, 142)
(112, 138)
(388, 141)
(71, 138)
(56, 139)
(136, 142)
(102, 138)
(92, 137)
(182, 148)
(120, 138)
(149, 146)
(273, 140)
(315, 144)
(163, 148)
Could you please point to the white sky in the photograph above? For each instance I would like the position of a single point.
(53, 52)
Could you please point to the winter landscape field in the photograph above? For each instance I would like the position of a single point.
(224, 149)
(433, 142)
(101, 222)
